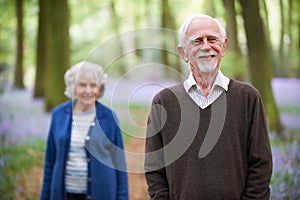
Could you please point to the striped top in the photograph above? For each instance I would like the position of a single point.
(76, 167)
(220, 84)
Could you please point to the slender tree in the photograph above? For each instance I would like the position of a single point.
(298, 49)
(167, 21)
(18, 79)
(116, 27)
(260, 60)
(41, 59)
(231, 26)
(58, 52)
(296, 34)
(284, 51)
(282, 29)
(267, 26)
(275, 64)
(289, 33)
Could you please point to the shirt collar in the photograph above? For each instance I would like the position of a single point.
(221, 80)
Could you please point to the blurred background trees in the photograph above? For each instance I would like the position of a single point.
(18, 79)
(40, 39)
(58, 51)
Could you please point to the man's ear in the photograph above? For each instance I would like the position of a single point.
(182, 53)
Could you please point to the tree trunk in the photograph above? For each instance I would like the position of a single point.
(58, 53)
(267, 26)
(41, 60)
(298, 48)
(281, 67)
(260, 60)
(282, 28)
(167, 21)
(296, 6)
(18, 79)
(231, 26)
(289, 33)
(116, 27)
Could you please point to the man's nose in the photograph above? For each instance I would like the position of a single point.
(205, 45)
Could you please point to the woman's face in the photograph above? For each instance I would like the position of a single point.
(86, 92)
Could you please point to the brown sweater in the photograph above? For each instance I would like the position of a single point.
(235, 160)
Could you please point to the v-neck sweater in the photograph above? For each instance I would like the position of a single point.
(220, 152)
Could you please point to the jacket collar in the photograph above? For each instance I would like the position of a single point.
(99, 108)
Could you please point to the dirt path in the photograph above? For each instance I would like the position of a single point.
(137, 182)
(31, 183)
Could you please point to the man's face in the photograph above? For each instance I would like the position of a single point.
(203, 46)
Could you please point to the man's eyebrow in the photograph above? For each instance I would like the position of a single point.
(191, 39)
(201, 37)
(195, 37)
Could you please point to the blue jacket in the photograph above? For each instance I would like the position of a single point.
(104, 148)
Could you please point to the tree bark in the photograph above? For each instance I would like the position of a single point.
(18, 78)
(298, 48)
(41, 59)
(231, 26)
(116, 27)
(260, 60)
(168, 22)
(58, 53)
(282, 22)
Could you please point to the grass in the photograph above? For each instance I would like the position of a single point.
(15, 161)
(290, 109)
(133, 120)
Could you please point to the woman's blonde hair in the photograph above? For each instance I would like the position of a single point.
(93, 71)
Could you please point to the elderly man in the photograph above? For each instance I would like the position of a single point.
(207, 138)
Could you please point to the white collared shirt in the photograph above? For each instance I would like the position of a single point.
(220, 85)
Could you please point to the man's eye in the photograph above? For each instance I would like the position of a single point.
(197, 41)
(213, 39)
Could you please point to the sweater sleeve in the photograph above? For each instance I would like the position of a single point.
(259, 154)
(155, 173)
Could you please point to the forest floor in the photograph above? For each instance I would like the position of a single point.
(20, 114)
(31, 187)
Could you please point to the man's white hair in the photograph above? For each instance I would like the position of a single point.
(91, 70)
(184, 27)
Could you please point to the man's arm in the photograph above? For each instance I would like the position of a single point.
(158, 187)
(259, 155)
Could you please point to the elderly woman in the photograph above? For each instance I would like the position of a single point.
(84, 155)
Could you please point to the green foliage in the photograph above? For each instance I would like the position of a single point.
(91, 23)
(135, 124)
(132, 118)
(235, 66)
(291, 109)
(7, 31)
(15, 161)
